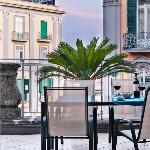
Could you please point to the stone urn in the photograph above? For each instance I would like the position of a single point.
(10, 96)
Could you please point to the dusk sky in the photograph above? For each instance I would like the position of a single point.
(83, 20)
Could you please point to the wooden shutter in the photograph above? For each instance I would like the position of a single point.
(131, 15)
(43, 30)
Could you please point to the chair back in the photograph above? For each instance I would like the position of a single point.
(67, 114)
(144, 132)
(126, 85)
(82, 83)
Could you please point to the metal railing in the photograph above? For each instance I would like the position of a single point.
(32, 95)
(136, 40)
(20, 36)
(48, 2)
(110, 2)
(44, 37)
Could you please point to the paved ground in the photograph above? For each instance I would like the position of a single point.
(32, 142)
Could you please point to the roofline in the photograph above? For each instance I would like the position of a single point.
(30, 6)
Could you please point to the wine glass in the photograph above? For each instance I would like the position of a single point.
(142, 88)
(117, 87)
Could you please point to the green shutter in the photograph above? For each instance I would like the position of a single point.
(45, 82)
(26, 86)
(43, 30)
(131, 15)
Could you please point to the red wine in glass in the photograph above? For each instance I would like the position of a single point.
(117, 87)
(141, 88)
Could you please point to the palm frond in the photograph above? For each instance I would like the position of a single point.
(85, 62)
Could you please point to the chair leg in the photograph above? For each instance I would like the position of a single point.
(91, 143)
(62, 140)
(135, 145)
(109, 127)
(112, 128)
(43, 143)
(50, 143)
(43, 136)
(91, 131)
(56, 143)
(115, 133)
(95, 127)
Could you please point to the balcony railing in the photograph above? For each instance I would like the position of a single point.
(48, 2)
(136, 41)
(109, 2)
(23, 37)
(44, 37)
(33, 93)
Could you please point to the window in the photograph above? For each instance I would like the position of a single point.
(43, 52)
(43, 30)
(19, 27)
(19, 52)
(141, 20)
(19, 23)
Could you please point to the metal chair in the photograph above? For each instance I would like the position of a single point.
(74, 122)
(141, 134)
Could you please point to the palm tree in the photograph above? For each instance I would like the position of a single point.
(85, 63)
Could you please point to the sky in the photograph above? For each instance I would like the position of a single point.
(83, 19)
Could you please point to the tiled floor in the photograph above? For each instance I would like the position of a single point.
(32, 142)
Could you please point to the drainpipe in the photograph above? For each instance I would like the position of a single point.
(30, 103)
(23, 96)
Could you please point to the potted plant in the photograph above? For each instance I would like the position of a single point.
(85, 63)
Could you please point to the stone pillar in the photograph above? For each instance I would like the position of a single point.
(10, 96)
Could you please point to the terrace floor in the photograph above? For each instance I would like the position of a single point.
(32, 142)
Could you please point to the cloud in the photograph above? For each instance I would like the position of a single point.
(83, 12)
(82, 20)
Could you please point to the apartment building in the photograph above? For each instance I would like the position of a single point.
(29, 29)
(127, 23)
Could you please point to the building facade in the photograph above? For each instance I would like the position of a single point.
(127, 23)
(29, 29)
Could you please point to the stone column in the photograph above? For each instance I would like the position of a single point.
(10, 96)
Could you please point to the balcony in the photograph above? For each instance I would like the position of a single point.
(47, 38)
(136, 42)
(110, 2)
(20, 37)
(48, 2)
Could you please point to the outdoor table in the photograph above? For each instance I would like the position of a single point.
(132, 102)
